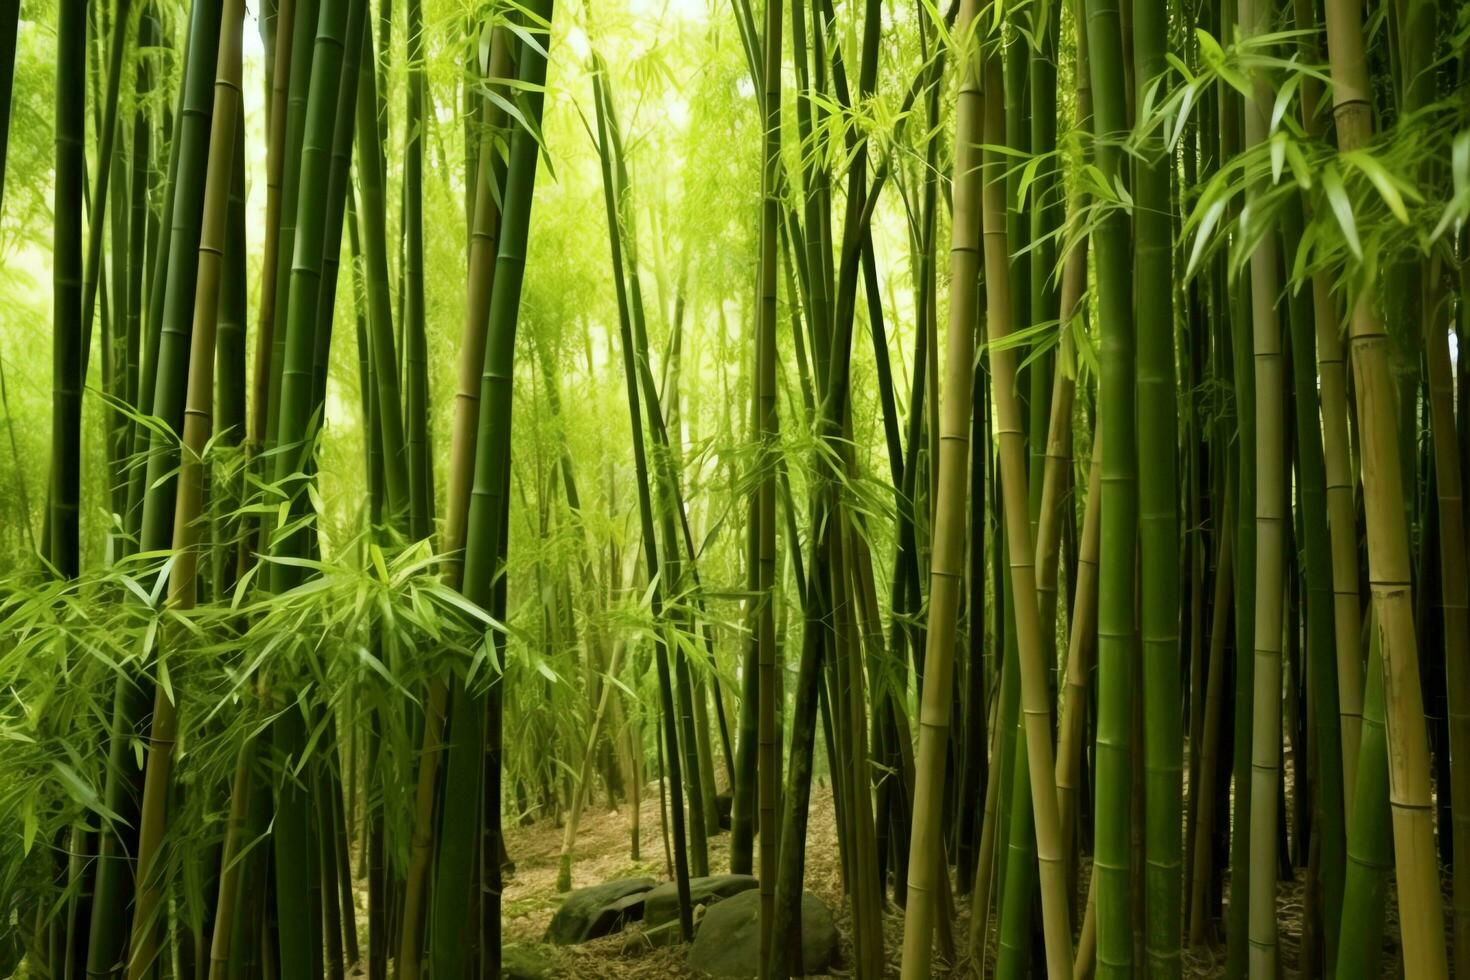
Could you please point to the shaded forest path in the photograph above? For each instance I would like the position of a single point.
(531, 898)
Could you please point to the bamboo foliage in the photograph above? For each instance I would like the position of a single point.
(1100, 528)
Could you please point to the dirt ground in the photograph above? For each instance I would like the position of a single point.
(603, 854)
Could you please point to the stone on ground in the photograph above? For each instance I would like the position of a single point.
(662, 903)
(728, 942)
(599, 910)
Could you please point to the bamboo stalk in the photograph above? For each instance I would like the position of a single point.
(106, 141)
(483, 575)
(1270, 517)
(1116, 404)
(946, 569)
(1455, 593)
(1158, 514)
(1420, 909)
(189, 509)
(1035, 699)
(768, 759)
(1080, 640)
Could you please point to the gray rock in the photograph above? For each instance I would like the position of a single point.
(662, 904)
(728, 941)
(600, 910)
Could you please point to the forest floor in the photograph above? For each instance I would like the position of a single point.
(603, 854)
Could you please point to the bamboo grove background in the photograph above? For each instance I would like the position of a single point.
(1041, 422)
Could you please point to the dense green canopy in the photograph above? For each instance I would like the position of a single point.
(1038, 426)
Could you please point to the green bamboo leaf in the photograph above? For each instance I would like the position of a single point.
(242, 587)
(1214, 57)
(162, 582)
(1178, 65)
(1209, 49)
(1299, 168)
(1283, 100)
(82, 791)
(1278, 155)
(1303, 254)
(29, 825)
(150, 635)
(1382, 180)
(1206, 226)
(1028, 174)
(1181, 116)
(165, 681)
(1454, 215)
(1342, 208)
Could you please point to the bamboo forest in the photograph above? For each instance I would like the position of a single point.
(648, 489)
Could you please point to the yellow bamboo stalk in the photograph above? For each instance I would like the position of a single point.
(985, 864)
(947, 563)
(1421, 912)
(1347, 611)
(1086, 960)
(1010, 427)
(1058, 440)
(1072, 721)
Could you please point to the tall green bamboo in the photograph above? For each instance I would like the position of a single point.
(485, 536)
(1271, 530)
(947, 566)
(1116, 568)
(1311, 478)
(768, 763)
(1455, 594)
(68, 370)
(189, 509)
(1214, 708)
(674, 580)
(610, 149)
(106, 140)
(1370, 843)
(484, 232)
(9, 27)
(291, 30)
(303, 50)
(381, 343)
(296, 429)
(1158, 512)
(153, 484)
(415, 355)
